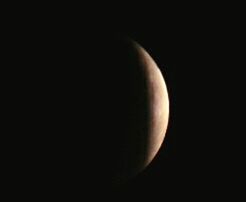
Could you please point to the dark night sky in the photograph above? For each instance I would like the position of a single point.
(192, 50)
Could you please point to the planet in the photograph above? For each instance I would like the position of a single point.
(158, 103)
(99, 111)
(148, 119)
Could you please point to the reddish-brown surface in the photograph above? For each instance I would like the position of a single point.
(158, 103)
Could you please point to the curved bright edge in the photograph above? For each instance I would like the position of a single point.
(159, 103)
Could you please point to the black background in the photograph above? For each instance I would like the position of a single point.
(194, 48)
